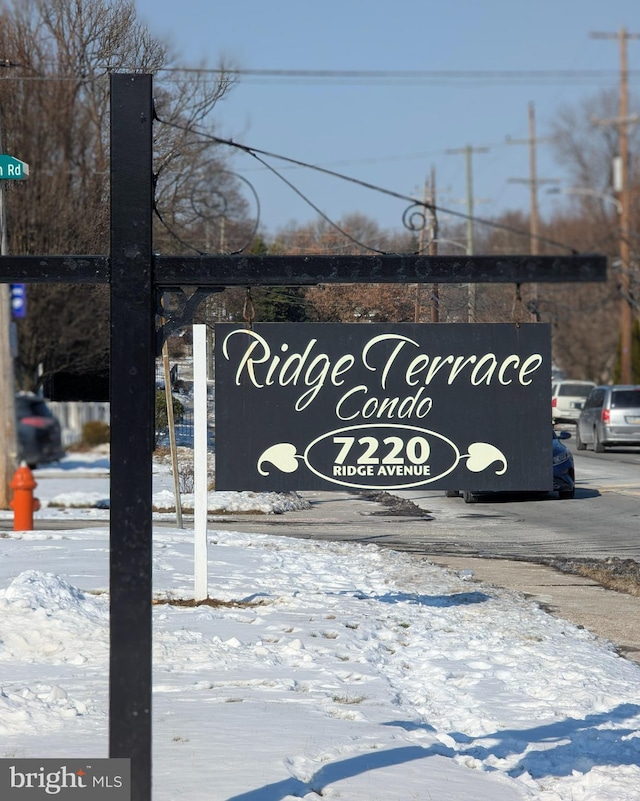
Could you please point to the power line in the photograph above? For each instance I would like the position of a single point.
(257, 153)
(384, 77)
(372, 77)
(412, 76)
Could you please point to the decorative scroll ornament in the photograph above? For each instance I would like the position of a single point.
(216, 201)
(414, 216)
(176, 308)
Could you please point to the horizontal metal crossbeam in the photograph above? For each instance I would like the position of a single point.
(221, 270)
(396, 269)
(54, 269)
(381, 269)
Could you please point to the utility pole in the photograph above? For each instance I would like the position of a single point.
(623, 121)
(421, 243)
(534, 182)
(8, 442)
(468, 154)
(8, 455)
(430, 227)
(433, 246)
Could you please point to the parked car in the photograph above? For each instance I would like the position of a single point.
(564, 474)
(567, 399)
(38, 431)
(611, 416)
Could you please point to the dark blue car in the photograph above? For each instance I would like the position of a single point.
(564, 475)
(38, 431)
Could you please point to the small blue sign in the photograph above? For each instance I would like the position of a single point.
(19, 300)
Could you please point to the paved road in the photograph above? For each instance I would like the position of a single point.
(595, 524)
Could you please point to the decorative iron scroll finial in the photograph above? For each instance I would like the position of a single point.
(414, 216)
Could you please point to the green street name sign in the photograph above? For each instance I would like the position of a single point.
(12, 169)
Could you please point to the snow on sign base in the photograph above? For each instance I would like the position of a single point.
(302, 406)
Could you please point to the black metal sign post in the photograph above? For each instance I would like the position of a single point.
(138, 278)
(132, 376)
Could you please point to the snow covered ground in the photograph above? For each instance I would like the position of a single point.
(324, 670)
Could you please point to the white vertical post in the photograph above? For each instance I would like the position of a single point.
(200, 460)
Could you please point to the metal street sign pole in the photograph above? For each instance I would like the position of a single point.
(8, 434)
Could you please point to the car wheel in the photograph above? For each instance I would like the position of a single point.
(469, 497)
(452, 493)
(566, 495)
(580, 446)
(598, 447)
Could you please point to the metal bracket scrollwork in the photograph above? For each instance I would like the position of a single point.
(178, 312)
(414, 217)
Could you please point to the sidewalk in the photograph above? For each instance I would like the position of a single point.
(342, 516)
(609, 614)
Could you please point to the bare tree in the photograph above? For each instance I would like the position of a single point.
(363, 303)
(355, 234)
(60, 341)
(55, 102)
(586, 318)
(585, 148)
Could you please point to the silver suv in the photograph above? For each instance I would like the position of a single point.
(610, 416)
(567, 399)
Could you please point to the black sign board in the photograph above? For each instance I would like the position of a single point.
(383, 406)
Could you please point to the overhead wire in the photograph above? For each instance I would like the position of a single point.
(458, 75)
(258, 153)
(576, 76)
(319, 211)
(255, 153)
(360, 77)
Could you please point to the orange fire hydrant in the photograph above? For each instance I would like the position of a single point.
(23, 503)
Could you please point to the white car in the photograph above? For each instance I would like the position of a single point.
(567, 399)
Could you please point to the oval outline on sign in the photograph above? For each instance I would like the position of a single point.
(366, 427)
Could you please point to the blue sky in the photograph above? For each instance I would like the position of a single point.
(389, 132)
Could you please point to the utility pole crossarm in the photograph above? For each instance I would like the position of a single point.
(621, 34)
